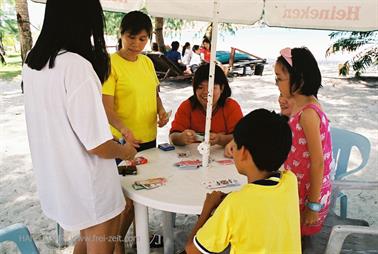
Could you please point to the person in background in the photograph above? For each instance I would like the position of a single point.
(190, 117)
(186, 54)
(71, 146)
(298, 78)
(195, 60)
(131, 97)
(205, 50)
(262, 217)
(173, 54)
(155, 48)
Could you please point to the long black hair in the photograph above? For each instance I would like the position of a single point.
(72, 25)
(186, 46)
(202, 74)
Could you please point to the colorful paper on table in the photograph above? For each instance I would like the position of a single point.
(140, 160)
(225, 162)
(189, 164)
(221, 183)
(151, 183)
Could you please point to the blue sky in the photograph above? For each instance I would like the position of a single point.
(261, 41)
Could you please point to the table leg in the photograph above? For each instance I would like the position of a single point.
(141, 228)
(169, 245)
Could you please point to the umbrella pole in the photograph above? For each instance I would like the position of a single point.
(204, 148)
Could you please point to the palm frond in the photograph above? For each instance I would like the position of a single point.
(365, 59)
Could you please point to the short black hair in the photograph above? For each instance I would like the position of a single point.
(305, 76)
(195, 48)
(175, 45)
(155, 46)
(135, 22)
(202, 74)
(205, 39)
(267, 136)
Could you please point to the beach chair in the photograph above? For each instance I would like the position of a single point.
(20, 235)
(342, 143)
(244, 60)
(166, 69)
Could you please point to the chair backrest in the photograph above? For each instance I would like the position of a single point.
(342, 143)
(19, 234)
(163, 64)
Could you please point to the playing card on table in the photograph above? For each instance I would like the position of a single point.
(151, 183)
(221, 183)
(225, 162)
(189, 164)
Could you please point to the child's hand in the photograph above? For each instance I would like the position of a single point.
(188, 136)
(163, 118)
(129, 137)
(309, 217)
(213, 200)
(129, 152)
(229, 149)
(215, 138)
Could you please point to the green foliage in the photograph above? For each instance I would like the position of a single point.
(8, 22)
(365, 43)
(113, 21)
(174, 26)
(344, 70)
(13, 67)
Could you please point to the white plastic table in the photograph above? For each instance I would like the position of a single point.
(183, 193)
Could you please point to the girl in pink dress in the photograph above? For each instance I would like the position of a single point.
(298, 78)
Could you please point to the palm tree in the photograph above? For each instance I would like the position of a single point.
(365, 43)
(24, 27)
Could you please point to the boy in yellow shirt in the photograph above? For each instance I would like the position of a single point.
(262, 217)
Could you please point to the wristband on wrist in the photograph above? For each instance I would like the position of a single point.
(315, 207)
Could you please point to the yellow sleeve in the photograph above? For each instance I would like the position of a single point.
(215, 234)
(109, 86)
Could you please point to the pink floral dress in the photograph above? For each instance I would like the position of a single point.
(298, 161)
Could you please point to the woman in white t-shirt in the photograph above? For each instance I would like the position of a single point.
(186, 54)
(70, 141)
(196, 60)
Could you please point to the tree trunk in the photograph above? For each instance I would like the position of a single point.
(23, 22)
(159, 23)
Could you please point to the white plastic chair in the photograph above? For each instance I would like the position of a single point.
(342, 143)
(340, 232)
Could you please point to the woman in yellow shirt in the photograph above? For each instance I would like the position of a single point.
(130, 95)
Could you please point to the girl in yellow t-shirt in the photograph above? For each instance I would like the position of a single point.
(130, 95)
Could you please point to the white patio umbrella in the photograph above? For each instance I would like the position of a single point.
(345, 15)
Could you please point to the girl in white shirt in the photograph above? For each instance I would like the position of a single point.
(70, 141)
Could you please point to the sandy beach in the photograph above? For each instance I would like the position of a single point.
(349, 103)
